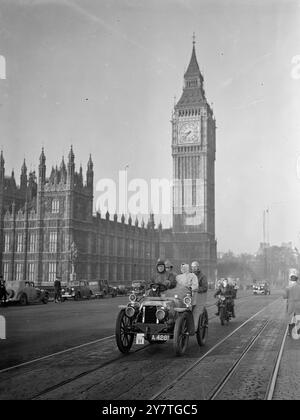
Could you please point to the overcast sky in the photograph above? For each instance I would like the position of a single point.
(102, 75)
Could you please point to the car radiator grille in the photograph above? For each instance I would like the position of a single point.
(150, 317)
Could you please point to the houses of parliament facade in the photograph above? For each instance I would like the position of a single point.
(47, 225)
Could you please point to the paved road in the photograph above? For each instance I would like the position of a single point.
(35, 331)
(98, 371)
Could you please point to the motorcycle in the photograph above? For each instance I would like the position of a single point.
(225, 308)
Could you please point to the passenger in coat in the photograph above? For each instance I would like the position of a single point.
(188, 281)
(171, 274)
(202, 291)
(292, 294)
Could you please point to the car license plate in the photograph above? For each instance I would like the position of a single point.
(140, 339)
(160, 337)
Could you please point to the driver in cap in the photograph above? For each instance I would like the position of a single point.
(162, 276)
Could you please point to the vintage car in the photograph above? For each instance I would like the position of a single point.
(261, 289)
(78, 289)
(25, 292)
(157, 317)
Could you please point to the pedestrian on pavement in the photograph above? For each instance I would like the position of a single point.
(57, 289)
(171, 275)
(3, 291)
(292, 294)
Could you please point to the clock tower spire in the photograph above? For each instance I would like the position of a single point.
(193, 152)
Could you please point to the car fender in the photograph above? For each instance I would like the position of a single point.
(20, 293)
(190, 317)
(11, 294)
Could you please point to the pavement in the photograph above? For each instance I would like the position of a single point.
(288, 381)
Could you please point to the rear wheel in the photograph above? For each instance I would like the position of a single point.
(124, 336)
(222, 315)
(181, 334)
(23, 300)
(202, 330)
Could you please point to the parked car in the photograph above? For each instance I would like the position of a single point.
(25, 292)
(113, 291)
(122, 289)
(98, 292)
(78, 289)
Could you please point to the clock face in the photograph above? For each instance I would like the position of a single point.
(188, 133)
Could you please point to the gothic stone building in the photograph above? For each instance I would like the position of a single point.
(41, 220)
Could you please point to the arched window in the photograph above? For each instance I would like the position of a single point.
(55, 206)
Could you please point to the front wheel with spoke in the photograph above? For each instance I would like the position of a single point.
(202, 330)
(124, 335)
(181, 334)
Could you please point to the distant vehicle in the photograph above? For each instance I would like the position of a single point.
(100, 291)
(76, 290)
(97, 289)
(122, 289)
(261, 289)
(25, 292)
(113, 291)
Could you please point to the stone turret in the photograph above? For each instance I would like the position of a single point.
(71, 168)
(23, 177)
(42, 169)
(90, 174)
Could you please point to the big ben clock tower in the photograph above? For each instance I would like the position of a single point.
(193, 152)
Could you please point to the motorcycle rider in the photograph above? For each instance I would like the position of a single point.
(225, 289)
(292, 294)
(171, 274)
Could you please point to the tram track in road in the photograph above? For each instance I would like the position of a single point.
(70, 349)
(48, 356)
(45, 389)
(85, 373)
(101, 382)
(218, 389)
(183, 374)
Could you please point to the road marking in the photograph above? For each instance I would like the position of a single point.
(55, 354)
(207, 353)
